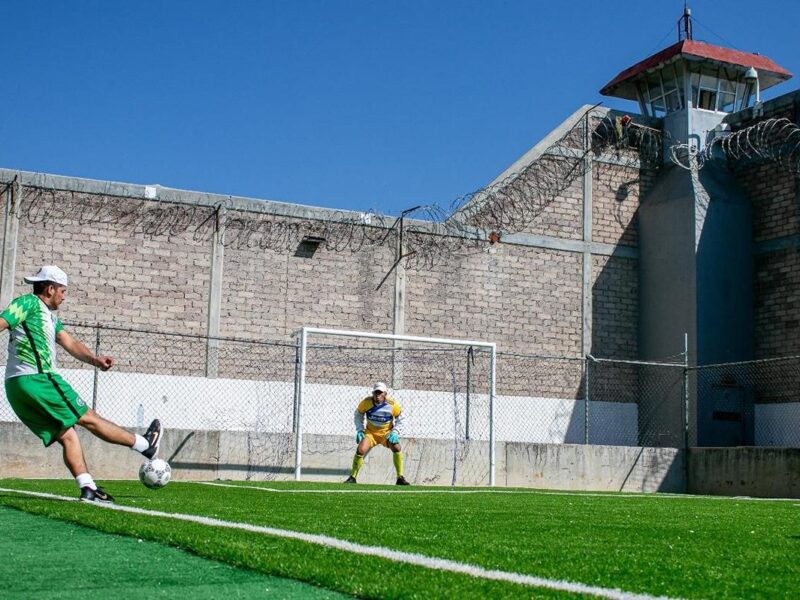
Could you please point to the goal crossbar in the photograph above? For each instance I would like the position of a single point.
(306, 331)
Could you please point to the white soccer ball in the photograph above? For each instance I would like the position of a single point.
(155, 473)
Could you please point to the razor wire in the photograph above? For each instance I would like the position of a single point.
(775, 140)
(429, 233)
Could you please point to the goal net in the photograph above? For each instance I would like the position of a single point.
(445, 388)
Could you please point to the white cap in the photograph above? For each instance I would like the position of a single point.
(48, 273)
(380, 387)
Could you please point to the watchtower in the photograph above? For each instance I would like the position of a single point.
(695, 224)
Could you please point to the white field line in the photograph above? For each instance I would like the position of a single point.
(410, 558)
(420, 490)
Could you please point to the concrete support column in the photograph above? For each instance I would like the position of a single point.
(215, 291)
(586, 308)
(586, 305)
(399, 324)
(9, 251)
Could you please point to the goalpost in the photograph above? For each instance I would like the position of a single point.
(445, 387)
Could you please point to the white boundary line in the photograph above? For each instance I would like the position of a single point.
(420, 490)
(420, 560)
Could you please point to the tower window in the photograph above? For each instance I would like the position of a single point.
(707, 100)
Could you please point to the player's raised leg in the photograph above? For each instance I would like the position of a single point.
(146, 444)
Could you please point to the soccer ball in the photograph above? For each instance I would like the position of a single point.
(155, 473)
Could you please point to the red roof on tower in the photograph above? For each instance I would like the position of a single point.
(770, 73)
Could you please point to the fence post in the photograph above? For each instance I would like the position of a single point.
(298, 441)
(686, 391)
(492, 393)
(470, 358)
(296, 384)
(586, 362)
(96, 379)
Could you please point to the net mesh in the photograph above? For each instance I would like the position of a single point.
(443, 393)
(249, 389)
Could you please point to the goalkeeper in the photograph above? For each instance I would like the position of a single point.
(381, 413)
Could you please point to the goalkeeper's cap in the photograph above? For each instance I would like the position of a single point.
(48, 273)
(379, 387)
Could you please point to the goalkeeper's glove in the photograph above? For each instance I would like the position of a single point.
(393, 438)
(359, 436)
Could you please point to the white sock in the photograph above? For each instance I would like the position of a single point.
(85, 480)
(141, 444)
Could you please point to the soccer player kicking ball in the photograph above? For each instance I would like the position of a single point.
(41, 398)
(382, 415)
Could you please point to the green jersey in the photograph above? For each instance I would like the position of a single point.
(32, 340)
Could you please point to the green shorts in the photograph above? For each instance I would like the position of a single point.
(45, 403)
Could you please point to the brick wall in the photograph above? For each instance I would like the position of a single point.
(528, 300)
(271, 294)
(615, 202)
(775, 197)
(772, 191)
(118, 275)
(615, 307)
(777, 303)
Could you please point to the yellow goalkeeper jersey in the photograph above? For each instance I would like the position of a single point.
(379, 417)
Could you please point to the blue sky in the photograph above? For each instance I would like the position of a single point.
(345, 104)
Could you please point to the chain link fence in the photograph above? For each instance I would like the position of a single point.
(754, 403)
(200, 383)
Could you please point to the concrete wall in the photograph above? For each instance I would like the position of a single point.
(759, 472)
(600, 468)
(209, 455)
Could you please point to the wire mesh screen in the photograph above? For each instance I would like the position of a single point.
(443, 394)
(198, 383)
(635, 404)
(540, 399)
(753, 403)
(191, 383)
(164, 376)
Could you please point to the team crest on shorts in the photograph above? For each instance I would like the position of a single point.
(79, 401)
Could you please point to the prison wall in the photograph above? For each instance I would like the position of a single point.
(178, 262)
(137, 265)
(773, 191)
(528, 300)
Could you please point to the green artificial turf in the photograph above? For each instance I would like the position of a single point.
(43, 558)
(658, 545)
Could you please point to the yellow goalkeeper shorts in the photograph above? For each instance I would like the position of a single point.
(376, 437)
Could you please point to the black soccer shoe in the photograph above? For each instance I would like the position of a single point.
(153, 437)
(98, 495)
(350, 479)
(402, 481)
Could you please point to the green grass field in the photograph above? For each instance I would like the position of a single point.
(652, 545)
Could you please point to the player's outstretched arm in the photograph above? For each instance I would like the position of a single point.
(3, 324)
(80, 351)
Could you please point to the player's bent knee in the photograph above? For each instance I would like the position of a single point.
(66, 436)
(90, 416)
